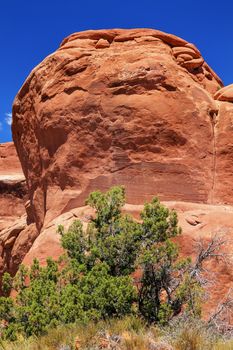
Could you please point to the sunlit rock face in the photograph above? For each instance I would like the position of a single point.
(225, 94)
(132, 107)
(13, 190)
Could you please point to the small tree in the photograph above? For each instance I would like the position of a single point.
(95, 280)
(7, 281)
(126, 245)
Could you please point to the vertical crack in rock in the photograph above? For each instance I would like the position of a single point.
(213, 119)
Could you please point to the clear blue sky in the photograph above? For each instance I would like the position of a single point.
(31, 29)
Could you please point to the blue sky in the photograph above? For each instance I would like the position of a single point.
(31, 29)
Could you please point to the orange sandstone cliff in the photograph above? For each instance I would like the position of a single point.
(136, 107)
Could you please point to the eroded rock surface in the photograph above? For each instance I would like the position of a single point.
(13, 196)
(225, 94)
(140, 108)
(12, 186)
(131, 107)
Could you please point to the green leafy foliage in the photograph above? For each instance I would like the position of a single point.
(6, 283)
(94, 279)
(108, 207)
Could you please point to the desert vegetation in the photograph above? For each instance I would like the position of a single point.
(128, 333)
(120, 284)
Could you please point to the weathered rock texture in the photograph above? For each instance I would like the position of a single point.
(137, 107)
(133, 107)
(12, 186)
(13, 197)
(225, 94)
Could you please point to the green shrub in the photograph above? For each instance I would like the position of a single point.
(95, 281)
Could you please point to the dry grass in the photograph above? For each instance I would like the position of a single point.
(89, 336)
(129, 333)
(194, 335)
(192, 339)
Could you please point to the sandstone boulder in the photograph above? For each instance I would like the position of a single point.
(140, 108)
(117, 107)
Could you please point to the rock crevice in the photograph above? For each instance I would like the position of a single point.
(214, 120)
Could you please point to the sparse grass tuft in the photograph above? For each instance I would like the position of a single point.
(128, 333)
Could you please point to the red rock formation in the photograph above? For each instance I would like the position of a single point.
(134, 107)
(12, 186)
(225, 94)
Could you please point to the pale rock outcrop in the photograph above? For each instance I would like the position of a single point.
(13, 190)
(225, 94)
